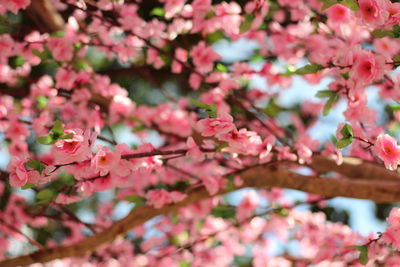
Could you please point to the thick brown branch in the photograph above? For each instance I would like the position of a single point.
(354, 168)
(260, 177)
(47, 14)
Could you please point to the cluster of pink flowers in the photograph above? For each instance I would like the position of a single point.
(159, 198)
(13, 5)
(391, 235)
(379, 13)
(19, 174)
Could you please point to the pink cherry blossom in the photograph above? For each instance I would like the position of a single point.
(19, 174)
(154, 59)
(65, 78)
(194, 151)
(66, 199)
(338, 13)
(285, 154)
(17, 130)
(212, 183)
(242, 141)
(247, 206)
(386, 46)
(74, 149)
(159, 198)
(215, 126)
(105, 160)
(195, 81)
(18, 148)
(15, 5)
(392, 236)
(173, 7)
(386, 149)
(367, 67)
(61, 49)
(394, 217)
(203, 57)
(304, 153)
(373, 12)
(120, 107)
(181, 55)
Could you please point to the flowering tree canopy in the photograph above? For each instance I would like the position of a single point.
(196, 127)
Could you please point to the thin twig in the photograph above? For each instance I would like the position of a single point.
(32, 241)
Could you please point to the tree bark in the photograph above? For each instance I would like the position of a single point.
(49, 17)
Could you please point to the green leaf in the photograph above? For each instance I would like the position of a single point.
(283, 212)
(67, 136)
(45, 140)
(184, 264)
(43, 55)
(58, 128)
(246, 24)
(396, 31)
(157, 11)
(242, 261)
(328, 3)
(256, 58)
(231, 183)
(334, 139)
(347, 131)
(60, 33)
(174, 218)
(167, 59)
(36, 165)
(342, 143)
(41, 102)
(380, 33)
(394, 107)
(15, 61)
(138, 200)
(353, 246)
(363, 258)
(309, 68)
(27, 186)
(198, 103)
(215, 37)
(223, 211)
(272, 109)
(222, 146)
(180, 186)
(139, 128)
(210, 14)
(180, 239)
(66, 179)
(329, 104)
(345, 75)
(211, 110)
(325, 93)
(45, 195)
(221, 67)
(352, 4)
(80, 64)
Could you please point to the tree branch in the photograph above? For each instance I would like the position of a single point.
(354, 168)
(47, 14)
(259, 177)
